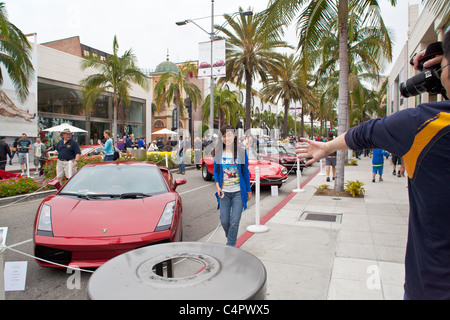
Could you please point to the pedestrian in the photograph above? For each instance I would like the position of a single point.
(198, 153)
(378, 163)
(181, 152)
(153, 146)
(140, 143)
(37, 155)
(23, 148)
(129, 142)
(160, 144)
(5, 151)
(44, 155)
(421, 136)
(232, 182)
(330, 161)
(69, 153)
(13, 150)
(168, 146)
(108, 147)
(396, 161)
(121, 143)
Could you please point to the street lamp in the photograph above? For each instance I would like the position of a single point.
(212, 35)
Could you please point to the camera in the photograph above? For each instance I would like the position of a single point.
(429, 80)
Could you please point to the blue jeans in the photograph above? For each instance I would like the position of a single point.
(182, 168)
(231, 208)
(108, 157)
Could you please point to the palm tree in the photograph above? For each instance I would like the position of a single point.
(286, 85)
(15, 55)
(116, 74)
(250, 53)
(171, 86)
(226, 103)
(313, 23)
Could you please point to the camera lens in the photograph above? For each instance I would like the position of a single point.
(414, 86)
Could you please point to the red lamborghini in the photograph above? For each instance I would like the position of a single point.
(106, 209)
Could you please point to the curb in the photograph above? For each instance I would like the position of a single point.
(247, 235)
(26, 197)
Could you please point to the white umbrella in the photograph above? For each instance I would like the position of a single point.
(64, 126)
(165, 131)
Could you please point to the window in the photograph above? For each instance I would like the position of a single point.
(159, 124)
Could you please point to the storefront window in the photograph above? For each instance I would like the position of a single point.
(100, 107)
(53, 99)
(136, 111)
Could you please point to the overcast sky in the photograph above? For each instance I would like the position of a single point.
(148, 27)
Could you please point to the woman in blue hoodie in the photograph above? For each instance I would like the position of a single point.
(232, 182)
(378, 163)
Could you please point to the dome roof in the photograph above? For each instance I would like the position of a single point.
(167, 66)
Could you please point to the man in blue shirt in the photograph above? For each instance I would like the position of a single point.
(23, 148)
(68, 155)
(422, 137)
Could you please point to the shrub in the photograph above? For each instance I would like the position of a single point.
(22, 185)
(322, 188)
(354, 187)
(50, 165)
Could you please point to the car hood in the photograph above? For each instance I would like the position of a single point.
(72, 217)
(267, 168)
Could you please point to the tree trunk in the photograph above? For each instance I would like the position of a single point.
(286, 112)
(248, 101)
(343, 90)
(303, 122)
(114, 127)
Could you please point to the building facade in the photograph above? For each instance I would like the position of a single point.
(424, 27)
(60, 99)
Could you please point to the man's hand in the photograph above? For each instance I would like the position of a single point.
(429, 63)
(314, 150)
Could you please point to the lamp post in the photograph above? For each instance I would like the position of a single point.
(212, 35)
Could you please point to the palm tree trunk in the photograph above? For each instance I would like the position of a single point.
(248, 101)
(343, 90)
(286, 112)
(303, 122)
(114, 126)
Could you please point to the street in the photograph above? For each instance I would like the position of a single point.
(200, 218)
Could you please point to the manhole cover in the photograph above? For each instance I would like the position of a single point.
(319, 216)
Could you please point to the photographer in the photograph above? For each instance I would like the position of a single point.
(421, 136)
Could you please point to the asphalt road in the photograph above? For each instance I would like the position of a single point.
(200, 217)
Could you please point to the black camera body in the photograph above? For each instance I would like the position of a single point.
(429, 80)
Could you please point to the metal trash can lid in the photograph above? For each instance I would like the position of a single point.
(225, 273)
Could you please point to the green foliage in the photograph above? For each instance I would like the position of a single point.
(354, 187)
(22, 185)
(322, 188)
(50, 165)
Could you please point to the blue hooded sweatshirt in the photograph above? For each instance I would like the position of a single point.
(377, 158)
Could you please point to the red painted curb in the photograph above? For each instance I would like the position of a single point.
(243, 238)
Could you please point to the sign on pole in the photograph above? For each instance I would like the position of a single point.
(218, 63)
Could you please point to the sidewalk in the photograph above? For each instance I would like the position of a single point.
(360, 256)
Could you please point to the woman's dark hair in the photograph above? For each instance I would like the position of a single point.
(223, 131)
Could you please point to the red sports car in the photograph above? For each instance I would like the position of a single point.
(271, 173)
(106, 209)
(278, 154)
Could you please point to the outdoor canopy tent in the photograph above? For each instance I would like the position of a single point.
(64, 126)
